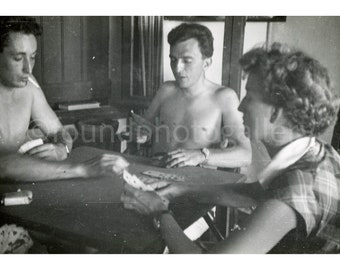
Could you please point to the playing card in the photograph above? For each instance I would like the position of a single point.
(134, 181)
(163, 176)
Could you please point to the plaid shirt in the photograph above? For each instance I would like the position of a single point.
(312, 189)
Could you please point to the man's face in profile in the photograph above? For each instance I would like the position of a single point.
(187, 62)
(17, 60)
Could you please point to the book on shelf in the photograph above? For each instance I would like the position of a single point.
(72, 106)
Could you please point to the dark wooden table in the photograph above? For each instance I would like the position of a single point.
(89, 212)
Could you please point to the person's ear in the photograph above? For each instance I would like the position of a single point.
(207, 63)
(275, 114)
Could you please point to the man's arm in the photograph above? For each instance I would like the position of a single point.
(153, 111)
(45, 118)
(27, 168)
(238, 152)
(163, 93)
(30, 169)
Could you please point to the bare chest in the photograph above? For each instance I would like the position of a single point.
(191, 123)
(14, 121)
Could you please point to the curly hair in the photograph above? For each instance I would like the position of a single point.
(199, 32)
(21, 24)
(298, 84)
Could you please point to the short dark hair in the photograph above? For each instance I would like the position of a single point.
(21, 24)
(199, 32)
(297, 83)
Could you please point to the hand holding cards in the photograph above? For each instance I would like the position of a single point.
(135, 182)
(144, 128)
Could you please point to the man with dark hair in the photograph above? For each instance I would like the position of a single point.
(198, 123)
(22, 100)
(26, 25)
(198, 119)
(199, 32)
(289, 101)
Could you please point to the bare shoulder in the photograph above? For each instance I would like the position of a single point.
(164, 93)
(226, 96)
(167, 90)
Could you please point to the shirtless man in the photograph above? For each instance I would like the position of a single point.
(197, 118)
(22, 100)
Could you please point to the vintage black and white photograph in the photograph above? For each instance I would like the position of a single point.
(154, 134)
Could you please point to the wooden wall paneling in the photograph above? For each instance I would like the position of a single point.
(67, 92)
(228, 29)
(84, 49)
(37, 71)
(232, 51)
(127, 40)
(72, 45)
(115, 57)
(98, 57)
(237, 51)
(52, 60)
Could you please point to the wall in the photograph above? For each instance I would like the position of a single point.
(255, 33)
(72, 59)
(317, 36)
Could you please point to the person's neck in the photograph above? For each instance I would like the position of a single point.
(274, 146)
(195, 90)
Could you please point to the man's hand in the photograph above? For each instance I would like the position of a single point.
(144, 202)
(105, 163)
(140, 133)
(184, 157)
(49, 151)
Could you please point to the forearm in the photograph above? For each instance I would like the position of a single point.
(175, 238)
(233, 157)
(26, 168)
(233, 195)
